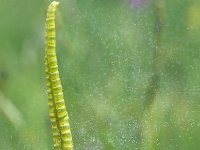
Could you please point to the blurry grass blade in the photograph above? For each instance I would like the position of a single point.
(10, 111)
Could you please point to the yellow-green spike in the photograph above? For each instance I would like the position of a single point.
(62, 137)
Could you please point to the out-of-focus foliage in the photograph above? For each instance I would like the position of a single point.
(105, 51)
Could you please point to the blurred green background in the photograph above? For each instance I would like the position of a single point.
(129, 68)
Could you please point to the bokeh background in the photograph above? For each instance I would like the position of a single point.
(129, 68)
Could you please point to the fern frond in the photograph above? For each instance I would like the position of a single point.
(62, 136)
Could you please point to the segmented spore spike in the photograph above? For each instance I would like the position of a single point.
(62, 136)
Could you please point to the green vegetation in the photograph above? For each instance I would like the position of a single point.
(106, 56)
(62, 137)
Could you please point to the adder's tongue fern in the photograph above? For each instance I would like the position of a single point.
(62, 137)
